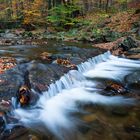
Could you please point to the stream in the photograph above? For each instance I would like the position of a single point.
(83, 104)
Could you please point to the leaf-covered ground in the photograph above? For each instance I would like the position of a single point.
(6, 63)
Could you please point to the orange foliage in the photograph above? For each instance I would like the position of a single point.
(33, 13)
(122, 21)
(65, 63)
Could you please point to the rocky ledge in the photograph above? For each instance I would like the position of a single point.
(125, 46)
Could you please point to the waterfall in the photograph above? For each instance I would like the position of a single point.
(53, 108)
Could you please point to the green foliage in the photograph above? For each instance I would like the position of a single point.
(123, 1)
(97, 32)
(64, 16)
(111, 35)
(107, 33)
(27, 34)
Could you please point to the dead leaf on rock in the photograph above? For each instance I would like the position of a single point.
(24, 95)
(46, 56)
(65, 63)
(6, 63)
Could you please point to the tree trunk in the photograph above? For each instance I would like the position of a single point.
(106, 7)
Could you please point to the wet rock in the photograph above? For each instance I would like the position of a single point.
(82, 53)
(89, 118)
(2, 122)
(112, 46)
(120, 111)
(10, 35)
(116, 88)
(133, 80)
(134, 51)
(128, 44)
(7, 42)
(14, 134)
(46, 56)
(65, 63)
(61, 56)
(123, 136)
(24, 95)
(33, 137)
(7, 63)
(41, 75)
(10, 83)
(5, 106)
(69, 48)
(133, 56)
(132, 128)
(98, 126)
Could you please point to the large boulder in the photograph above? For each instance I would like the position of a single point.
(10, 81)
(41, 75)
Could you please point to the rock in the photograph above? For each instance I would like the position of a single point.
(5, 106)
(52, 73)
(46, 56)
(112, 46)
(133, 81)
(128, 44)
(133, 78)
(89, 118)
(10, 35)
(133, 56)
(98, 126)
(69, 48)
(14, 134)
(33, 137)
(12, 79)
(2, 122)
(65, 63)
(120, 111)
(120, 135)
(7, 63)
(7, 42)
(115, 88)
(24, 95)
(132, 128)
(134, 53)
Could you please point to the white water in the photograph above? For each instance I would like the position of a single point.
(52, 111)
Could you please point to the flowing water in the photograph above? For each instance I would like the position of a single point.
(78, 107)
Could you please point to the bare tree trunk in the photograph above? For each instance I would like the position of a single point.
(100, 3)
(49, 4)
(106, 7)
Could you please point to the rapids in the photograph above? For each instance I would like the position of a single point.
(78, 87)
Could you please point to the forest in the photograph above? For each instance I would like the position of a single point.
(69, 69)
(36, 11)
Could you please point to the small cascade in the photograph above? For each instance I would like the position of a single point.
(52, 110)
